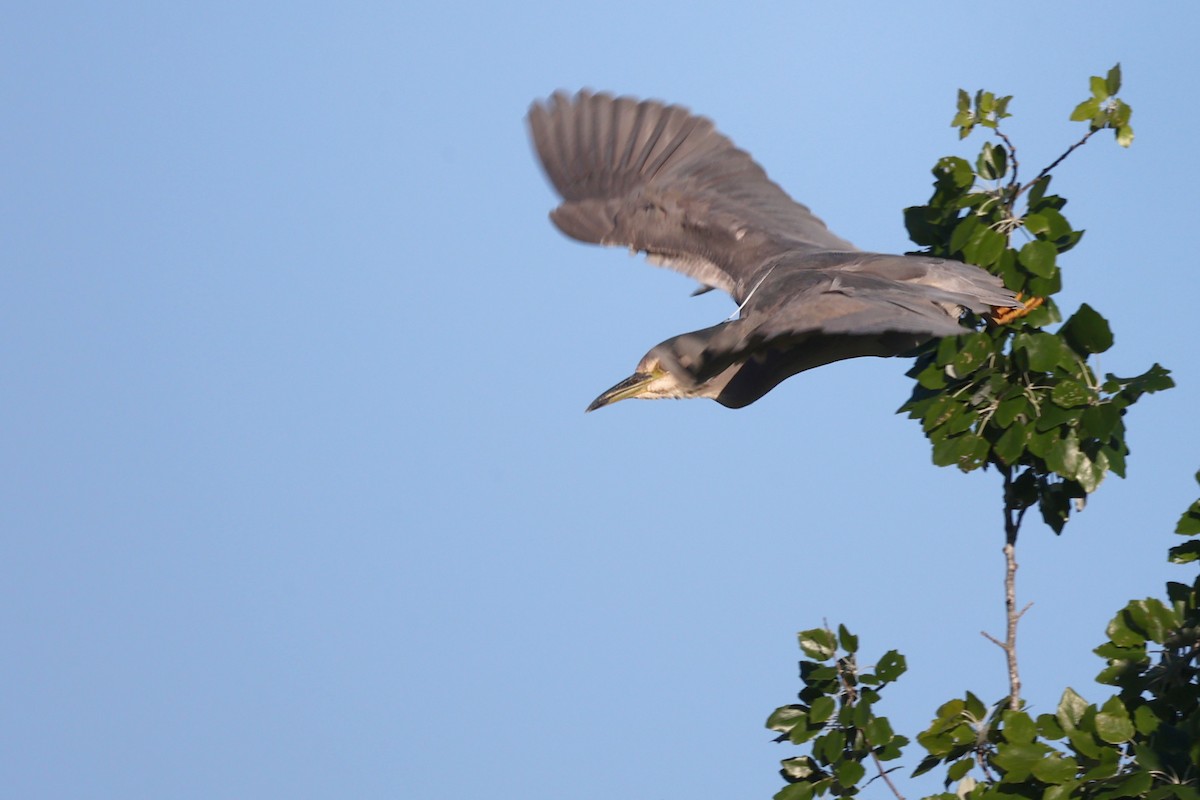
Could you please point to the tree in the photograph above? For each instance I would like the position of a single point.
(1022, 400)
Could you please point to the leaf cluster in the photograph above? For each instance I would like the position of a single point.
(1143, 742)
(836, 717)
(1016, 396)
(1104, 110)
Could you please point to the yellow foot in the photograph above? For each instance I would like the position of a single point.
(1003, 316)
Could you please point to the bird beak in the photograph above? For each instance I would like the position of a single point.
(630, 387)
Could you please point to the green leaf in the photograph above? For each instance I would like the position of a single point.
(1054, 768)
(879, 731)
(1049, 728)
(1114, 727)
(1018, 728)
(975, 349)
(1071, 708)
(817, 643)
(1071, 394)
(967, 451)
(1145, 720)
(992, 163)
(1099, 87)
(784, 718)
(822, 709)
(985, 246)
(1087, 332)
(1010, 409)
(849, 773)
(963, 232)
(1124, 135)
(1086, 110)
(847, 640)
(1038, 256)
(1120, 634)
(1189, 523)
(1112, 82)
(1011, 444)
(1043, 350)
(1184, 553)
(1018, 760)
(958, 770)
(796, 791)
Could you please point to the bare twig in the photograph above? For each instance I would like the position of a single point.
(1013, 515)
(1010, 608)
(1059, 160)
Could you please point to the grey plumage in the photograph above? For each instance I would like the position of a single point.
(657, 179)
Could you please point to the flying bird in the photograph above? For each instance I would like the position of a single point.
(662, 181)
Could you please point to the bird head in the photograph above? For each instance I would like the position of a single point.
(652, 380)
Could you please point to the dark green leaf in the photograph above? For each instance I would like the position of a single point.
(973, 352)
(891, 666)
(1189, 523)
(992, 163)
(849, 773)
(985, 246)
(1049, 728)
(1011, 444)
(1184, 553)
(1009, 410)
(822, 709)
(1087, 332)
(958, 770)
(848, 641)
(1100, 421)
(1145, 720)
(1043, 350)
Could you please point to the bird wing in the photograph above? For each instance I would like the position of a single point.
(660, 180)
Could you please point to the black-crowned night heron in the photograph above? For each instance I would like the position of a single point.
(659, 180)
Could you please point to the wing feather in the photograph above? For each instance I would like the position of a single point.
(661, 180)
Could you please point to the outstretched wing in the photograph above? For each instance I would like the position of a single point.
(658, 179)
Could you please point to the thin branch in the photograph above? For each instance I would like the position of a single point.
(1012, 154)
(883, 773)
(851, 694)
(1010, 608)
(1013, 516)
(1058, 160)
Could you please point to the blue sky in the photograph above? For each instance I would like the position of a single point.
(298, 495)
